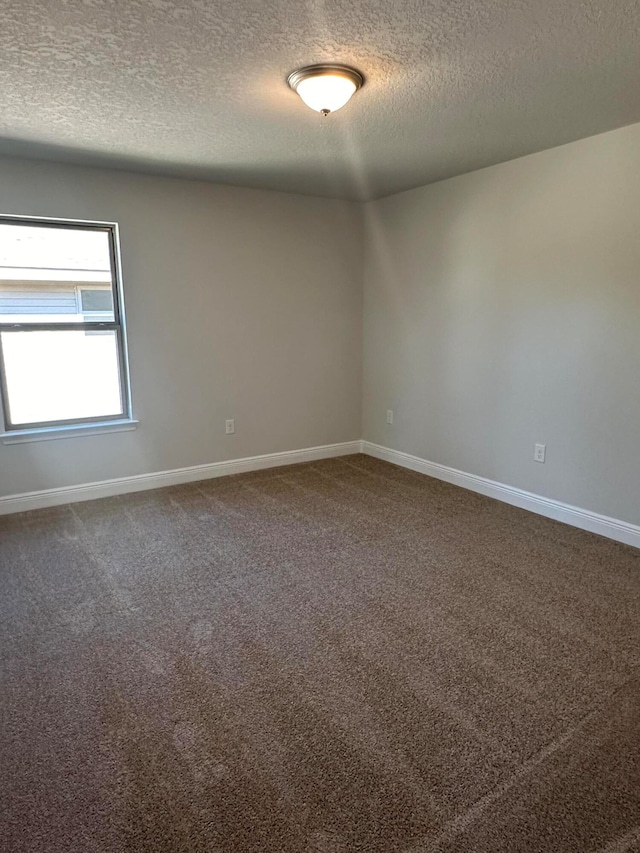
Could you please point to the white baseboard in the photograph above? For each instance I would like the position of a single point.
(612, 528)
(141, 482)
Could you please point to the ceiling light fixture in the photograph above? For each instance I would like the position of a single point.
(325, 88)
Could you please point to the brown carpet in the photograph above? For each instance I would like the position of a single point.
(337, 656)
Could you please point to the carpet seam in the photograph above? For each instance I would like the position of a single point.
(460, 822)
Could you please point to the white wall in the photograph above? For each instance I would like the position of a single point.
(502, 308)
(240, 304)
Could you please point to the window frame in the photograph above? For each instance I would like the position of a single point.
(117, 325)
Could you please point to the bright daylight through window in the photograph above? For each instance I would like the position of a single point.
(62, 343)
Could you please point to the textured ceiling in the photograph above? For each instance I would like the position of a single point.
(196, 87)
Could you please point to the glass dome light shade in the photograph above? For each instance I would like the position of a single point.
(325, 88)
(326, 92)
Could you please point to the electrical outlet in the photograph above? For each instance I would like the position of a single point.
(230, 426)
(390, 416)
(539, 452)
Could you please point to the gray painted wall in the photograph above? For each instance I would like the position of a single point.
(240, 303)
(502, 308)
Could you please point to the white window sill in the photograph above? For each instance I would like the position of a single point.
(20, 436)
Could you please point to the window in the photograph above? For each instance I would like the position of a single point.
(63, 360)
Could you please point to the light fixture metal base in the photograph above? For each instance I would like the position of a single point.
(296, 77)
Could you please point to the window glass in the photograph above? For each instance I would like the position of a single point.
(42, 270)
(97, 300)
(61, 375)
(62, 342)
